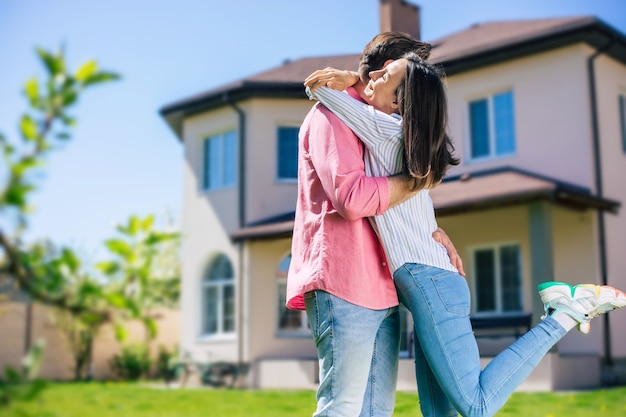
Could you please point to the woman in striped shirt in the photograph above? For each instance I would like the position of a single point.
(403, 126)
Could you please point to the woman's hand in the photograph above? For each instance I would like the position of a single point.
(332, 78)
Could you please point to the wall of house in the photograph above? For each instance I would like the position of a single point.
(611, 82)
(576, 262)
(554, 138)
(546, 124)
(573, 252)
(266, 341)
(266, 195)
(505, 225)
(207, 220)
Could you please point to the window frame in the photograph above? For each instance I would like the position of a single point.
(219, 284)
(493, 154)
(498, 277)
(224, 169)
(277, 173)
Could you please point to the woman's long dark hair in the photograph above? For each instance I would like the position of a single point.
(423, 107)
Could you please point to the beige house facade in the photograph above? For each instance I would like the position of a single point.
(537, 115)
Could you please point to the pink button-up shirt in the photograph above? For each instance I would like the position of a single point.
(334, 247)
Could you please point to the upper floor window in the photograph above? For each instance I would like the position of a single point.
(287, 157)
(220, 161)
(289, 321)
(218, 298)
(492, 126)
(622, 118)
(498, 279)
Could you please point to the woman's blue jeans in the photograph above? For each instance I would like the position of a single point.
(447, 362)
(358, 356)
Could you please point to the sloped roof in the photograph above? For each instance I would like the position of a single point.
(491, 42)
(479, 45)
(487, 36)
(471, 192)
(510, 186)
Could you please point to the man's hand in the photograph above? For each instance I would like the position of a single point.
(440, 236)
(331, 78)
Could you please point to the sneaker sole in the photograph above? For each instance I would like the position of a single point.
(607, 297)
(550, 291)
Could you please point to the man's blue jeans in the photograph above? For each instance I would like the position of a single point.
(358, 356)
(447, 362)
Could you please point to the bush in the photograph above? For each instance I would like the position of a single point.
(166, 359)
(132, 363)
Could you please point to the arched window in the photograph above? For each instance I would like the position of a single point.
(218, 298)
(289, 321)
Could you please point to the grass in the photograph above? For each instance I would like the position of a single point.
(121, 400)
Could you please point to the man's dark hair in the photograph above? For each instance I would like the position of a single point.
(386, 46)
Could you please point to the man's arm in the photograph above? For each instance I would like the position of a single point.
(336, 154)
(400, 189)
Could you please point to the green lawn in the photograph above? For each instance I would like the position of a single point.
(120, 400)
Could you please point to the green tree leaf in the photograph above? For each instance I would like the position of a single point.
(70, 259)
(108, 267)
(28, 127)
(86, 71)
(32, 91)
(121, 333)
(101, 77)
(69, 98)
(134, 224)
(147, 223)
(151, 327)
(119, 247)
(53, 64)
(116, 300)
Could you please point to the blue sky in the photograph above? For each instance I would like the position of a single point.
(123, 158)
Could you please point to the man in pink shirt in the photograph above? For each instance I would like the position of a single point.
(338, 271)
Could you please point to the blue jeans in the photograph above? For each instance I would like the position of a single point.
(447, 362)
(358, 356)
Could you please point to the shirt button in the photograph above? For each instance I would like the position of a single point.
(384, 263)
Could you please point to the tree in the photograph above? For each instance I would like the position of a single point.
(144, 272)
(42, 129)
(142, 275)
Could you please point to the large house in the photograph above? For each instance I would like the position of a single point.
(538, 116)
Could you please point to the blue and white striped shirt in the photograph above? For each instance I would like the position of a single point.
(406, 229)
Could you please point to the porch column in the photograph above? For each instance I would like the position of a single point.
(541, 256)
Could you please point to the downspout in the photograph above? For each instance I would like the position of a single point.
(608, 357)
(242, 221)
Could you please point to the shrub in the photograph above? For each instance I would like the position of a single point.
(132, 363)
(166, 359)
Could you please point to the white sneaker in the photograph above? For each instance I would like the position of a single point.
(582, 302)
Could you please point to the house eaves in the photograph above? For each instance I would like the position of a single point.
(511, 186)
(285, 81)
(467, 193)
(491, 43)
(175, 113)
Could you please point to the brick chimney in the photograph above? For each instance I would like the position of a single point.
(400, 16)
